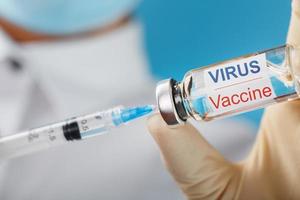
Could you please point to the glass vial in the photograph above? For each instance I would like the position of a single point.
(231, 87)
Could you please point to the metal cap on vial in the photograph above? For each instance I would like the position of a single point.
(165, 96)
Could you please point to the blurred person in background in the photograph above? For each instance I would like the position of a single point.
(63, 58)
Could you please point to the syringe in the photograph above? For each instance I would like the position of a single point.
(76, 128)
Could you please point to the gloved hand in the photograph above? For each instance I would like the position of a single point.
(272, 170)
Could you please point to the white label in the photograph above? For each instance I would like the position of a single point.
(236, 72)
(234, 85)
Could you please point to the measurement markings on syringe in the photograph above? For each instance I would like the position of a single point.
(50, 135)
(32, 136)
(91, 125)
(84, 125)
(89, 122)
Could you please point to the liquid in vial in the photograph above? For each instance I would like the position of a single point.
(231, 87)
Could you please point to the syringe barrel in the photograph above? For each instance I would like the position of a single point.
(76, 128)
(31, 141)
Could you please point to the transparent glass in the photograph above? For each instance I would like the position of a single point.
(241, 84)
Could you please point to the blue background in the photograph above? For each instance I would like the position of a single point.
(182, 35)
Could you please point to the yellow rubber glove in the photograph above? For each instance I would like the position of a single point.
(272, 170)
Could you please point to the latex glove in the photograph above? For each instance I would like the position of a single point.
(272, 170)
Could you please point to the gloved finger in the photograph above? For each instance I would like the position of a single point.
(198, 168)
(294, 36)
(294, 28)
(293, 39)
(276, 144)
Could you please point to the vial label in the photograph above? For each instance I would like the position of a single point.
(233, 86)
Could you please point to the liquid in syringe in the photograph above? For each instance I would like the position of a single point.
(76, 128)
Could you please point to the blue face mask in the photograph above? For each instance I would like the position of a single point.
(64, 16)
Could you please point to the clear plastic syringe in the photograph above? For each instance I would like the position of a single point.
(76, 128)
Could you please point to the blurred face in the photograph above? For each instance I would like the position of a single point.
(63, 17)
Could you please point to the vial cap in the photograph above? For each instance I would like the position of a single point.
(165, 102)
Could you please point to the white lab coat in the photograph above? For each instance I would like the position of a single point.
(67, 78)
